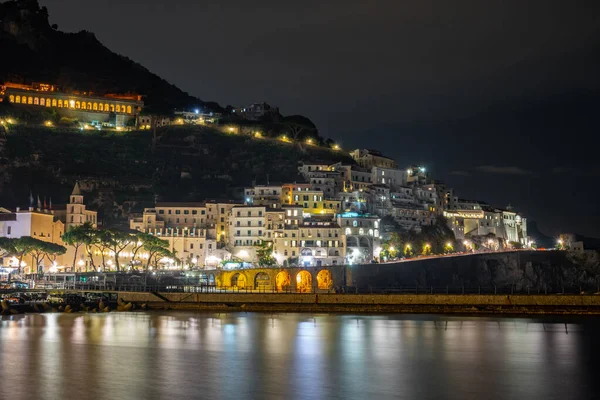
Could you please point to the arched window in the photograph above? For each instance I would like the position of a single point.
(376, 224)
(377, 233)
(83, 105)
(361, 231)
(112, 108)
(89, 106)
(101, 107)
(355, 223)
(48, 102)
(11, 98)
(370, 232)
(60, 104)
(106, 107)
(96, 106)
(348, 231)
(71, 104)
(42, 101)
(36, 101)
(30, 100)
(77, 104)
(128, 109)
(18, 99)
(118, 108)
(54, 103)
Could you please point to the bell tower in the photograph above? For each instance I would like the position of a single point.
(75, 208)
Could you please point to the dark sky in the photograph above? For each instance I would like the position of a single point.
(500, 99)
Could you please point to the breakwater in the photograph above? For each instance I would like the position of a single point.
(329, 302)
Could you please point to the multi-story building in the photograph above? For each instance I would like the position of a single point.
(321, 242)
(37, 223)
(247, 229)
(362, 232)
(112, 109)
(389, 176)
(372, 158)
(264, 195)
(175, 216)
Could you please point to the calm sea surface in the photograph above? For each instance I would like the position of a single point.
(296, 356)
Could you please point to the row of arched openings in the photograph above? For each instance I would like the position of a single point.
(283, 281)
(75, 104)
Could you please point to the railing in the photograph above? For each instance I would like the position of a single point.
(268, 289)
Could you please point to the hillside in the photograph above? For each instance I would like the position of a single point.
(123, 174)
(39, 52)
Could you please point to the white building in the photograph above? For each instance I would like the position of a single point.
(362, 232)
(246, 230)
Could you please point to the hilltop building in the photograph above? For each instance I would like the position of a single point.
(111, 109)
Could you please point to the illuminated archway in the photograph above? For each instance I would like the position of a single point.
(42, 101)
(128, 109)
(48, 102)
(83, 106)
(77, 104)
(101, 107)
(112, 108)
(262, 280)
(30, 100)
(18, 100)
(11, 98)
(118, 109)
(60, 103)
(89, 106)
(36, 101)
(238, 280)
(54, 104)
(96, 106)
(106, 107)
(283, 281)
(324, 280)
(304, 282)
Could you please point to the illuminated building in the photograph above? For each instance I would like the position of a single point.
(114, 109)
(362, 232)
(372, 158)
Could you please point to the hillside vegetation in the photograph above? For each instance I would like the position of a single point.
(123, 173)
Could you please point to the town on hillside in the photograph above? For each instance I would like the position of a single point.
(370, 211)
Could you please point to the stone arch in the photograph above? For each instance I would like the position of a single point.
(30, 100)
(36, 101)
(48, 102)
(60, 103)
(106, 108)
(262, 280)
(128, 109)
(112, 108)
(83, 106)
(118, 108)
(54, 103)
(42, 101)
(77, 104)
(18, 99)
(95, 106)
(304, 282)
(283, 281)
(364, 242)
(324, 280)
(11, 98)
(238, 280)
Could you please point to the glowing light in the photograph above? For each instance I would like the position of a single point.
(197, 111)
(48, 123)
(257, 135)
(81, 263)
(309, 141)
(336, 147)
(119, 128)
(243, 254)
(72, 103)
(194, 260)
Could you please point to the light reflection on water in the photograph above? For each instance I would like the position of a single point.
(295, 356)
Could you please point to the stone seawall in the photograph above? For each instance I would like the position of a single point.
(503, 304)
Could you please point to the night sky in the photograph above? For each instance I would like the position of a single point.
(500, 99)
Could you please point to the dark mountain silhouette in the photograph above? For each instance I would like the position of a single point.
(34, 51)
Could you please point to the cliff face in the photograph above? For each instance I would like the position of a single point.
(38, 53)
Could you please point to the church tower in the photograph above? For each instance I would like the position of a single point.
(75, 209)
